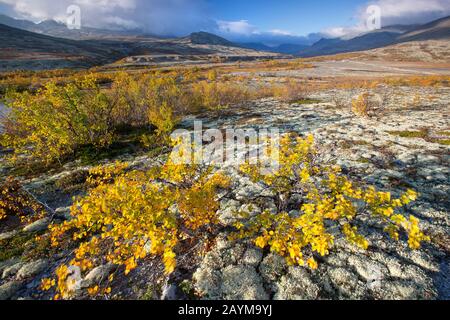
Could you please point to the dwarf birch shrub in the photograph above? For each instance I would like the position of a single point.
(367, 104)
(291, 91)
(331, 201)
(216, 95)
(361, 105)
(150, 99)
(15, 201)
(52, 123)
(132, 215)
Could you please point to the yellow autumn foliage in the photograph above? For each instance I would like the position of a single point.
(14, 201)
(137, 214)
(331, 201)
(53, 122)
(361, 106)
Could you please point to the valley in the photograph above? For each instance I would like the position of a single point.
(93, 205)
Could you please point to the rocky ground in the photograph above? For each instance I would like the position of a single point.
(405, 144)
(370, 152)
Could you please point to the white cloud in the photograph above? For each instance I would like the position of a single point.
(244, 31)
(411, 9)
(48, 9)
(175, 17)
(241, 27)
(281, 32)
(120, 22)
(344, 32)
(394, 12)
(179, 17)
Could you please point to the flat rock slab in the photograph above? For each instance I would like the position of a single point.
(32, 269)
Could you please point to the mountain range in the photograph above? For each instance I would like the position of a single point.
(51, 44)
(57, 29)
(22, 49)
(436, 30)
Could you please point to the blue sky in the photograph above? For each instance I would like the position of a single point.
(268, 21)
(295, 16)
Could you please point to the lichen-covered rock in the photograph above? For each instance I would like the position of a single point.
(368, 269)
(297, 285)
(74, 282)
(12, 270)
(242, 283)
(208, 282)
(37, 226)
(97, 275)
(227, 212)
(171, 292)
(405, 290)
(8, 235)
(230, 273)
(272, 267)
(31, 269)
(252, 257)
(8, 263)
(345, 284)
(63, 213)
(9, 289)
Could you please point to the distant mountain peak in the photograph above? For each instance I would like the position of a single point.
(51, 23)
(209, 39)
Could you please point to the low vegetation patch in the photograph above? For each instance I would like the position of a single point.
(364, 105)
(306, 101)
(423, 134)
(331, 201)
(410, 134)
(15, 246)
(129, 215)
(59, 120)
(16, 201)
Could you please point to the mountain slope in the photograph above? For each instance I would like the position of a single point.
(209, 39)
(20, 49)
(436, 30)
(432, 51)
(16, 23)
(57, 29)
(24, 49)
(283, 48)
(365, 42)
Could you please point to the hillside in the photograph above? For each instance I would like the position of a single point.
(436, 51)
(23, 49)
(56, 29)
(436, 30)
(391, 35)
(282, 48)
(209, 38)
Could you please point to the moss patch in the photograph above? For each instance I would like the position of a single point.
(361, 143)
(423, 134)
(444, 133)
(444, 142)
(409, 134)
(363, 160)
(15, 246)
(305, 101)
